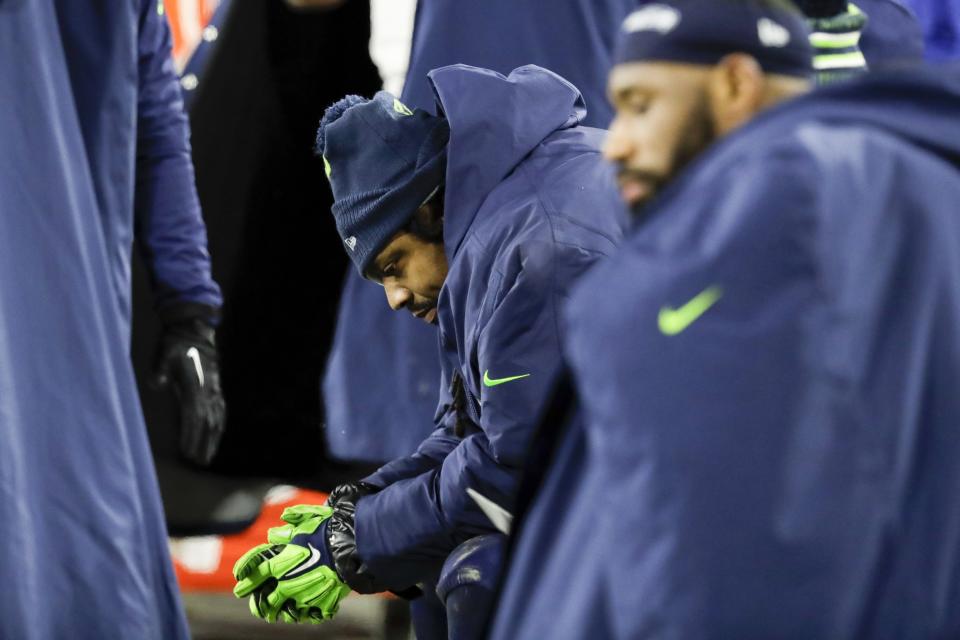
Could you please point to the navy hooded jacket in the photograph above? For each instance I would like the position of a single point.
(529, 206)
(379, 399)
(777, 459)
(91, 130)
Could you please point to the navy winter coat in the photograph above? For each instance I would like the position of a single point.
(91, 130)
(529, 207)
(776, 458)
(379, 399)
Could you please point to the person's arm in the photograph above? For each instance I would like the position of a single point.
(169, 228)
(172, 239)
(429, 455)
(416, 522)
(431, 452)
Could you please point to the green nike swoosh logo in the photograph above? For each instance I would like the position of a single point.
(674, 321)
(490, 382)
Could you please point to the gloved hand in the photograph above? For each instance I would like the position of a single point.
(347, 494)
(341, 537)
(187, 360)
(292, 578)
(342, 542)
(836, 45)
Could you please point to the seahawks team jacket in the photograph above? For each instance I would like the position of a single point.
(770, 372)
(529, 207)
(379, 400)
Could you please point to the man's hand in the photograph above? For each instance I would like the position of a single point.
(292, 578)
(342, 542)
(187, 360)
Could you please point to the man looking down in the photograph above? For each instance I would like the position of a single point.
(477, 221)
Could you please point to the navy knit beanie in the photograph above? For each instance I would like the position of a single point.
(704, 31)
(383, 161)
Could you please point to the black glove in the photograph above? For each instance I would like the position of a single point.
(187, 359)
(342, 542)
(341, 537)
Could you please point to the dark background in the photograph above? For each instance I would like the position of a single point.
(276, 255)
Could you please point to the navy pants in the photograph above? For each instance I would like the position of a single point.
(458, 606)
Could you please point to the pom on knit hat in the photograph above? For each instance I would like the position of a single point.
(331, 115)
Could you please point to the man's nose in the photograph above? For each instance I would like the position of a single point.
(397, 296)
(617, 146)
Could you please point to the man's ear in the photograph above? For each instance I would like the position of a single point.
(427, 222)
(736, 87)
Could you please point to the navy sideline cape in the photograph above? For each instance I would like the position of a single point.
(91, 131)
(786, 465)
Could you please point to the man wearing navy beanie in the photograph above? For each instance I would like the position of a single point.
(389, 162)
(477, 221)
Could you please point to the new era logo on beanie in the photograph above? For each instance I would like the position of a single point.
(383, 161)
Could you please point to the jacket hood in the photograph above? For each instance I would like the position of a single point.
(495, 122)
(920, 105)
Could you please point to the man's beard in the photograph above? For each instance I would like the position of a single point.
(699, 133)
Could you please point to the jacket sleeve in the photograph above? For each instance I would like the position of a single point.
(169, 228)
(428, 455)
(418, 521)
(431, 451)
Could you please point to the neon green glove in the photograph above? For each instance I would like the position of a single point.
(292, 577)
(300, 519)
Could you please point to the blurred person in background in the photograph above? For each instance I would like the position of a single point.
(886, 39)
(808, 489)
(255, 102)
(478, 222)
(95, 155)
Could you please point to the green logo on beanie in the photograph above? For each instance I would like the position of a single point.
(326, 167)
(401, 108)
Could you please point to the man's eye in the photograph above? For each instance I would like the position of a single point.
(639, 107)
(390, 270)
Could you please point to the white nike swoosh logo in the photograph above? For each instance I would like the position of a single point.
(309, 564)
(498, 516)
(194, 355)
